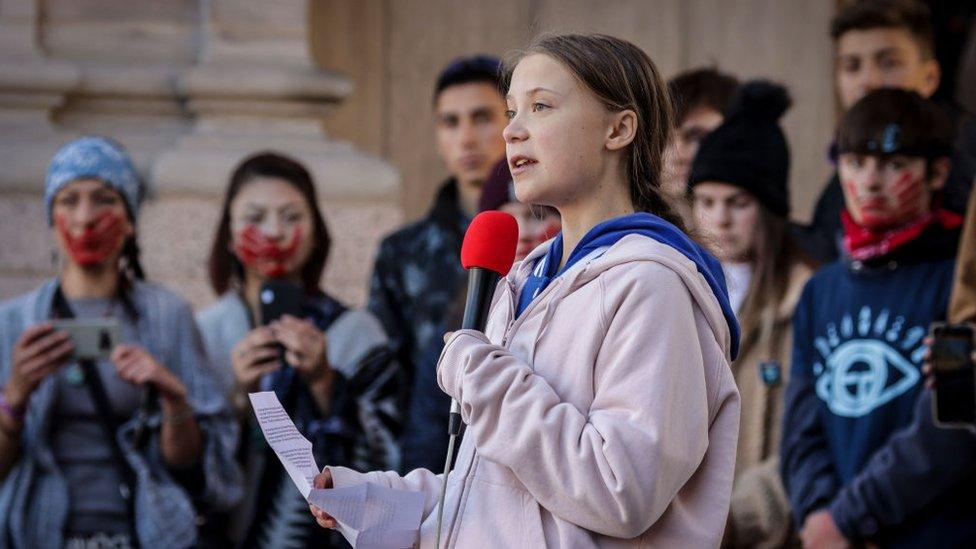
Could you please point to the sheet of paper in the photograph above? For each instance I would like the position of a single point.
(293, 449)
(344, 504)
(370, 516)
(378, 517)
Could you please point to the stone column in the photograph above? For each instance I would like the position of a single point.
(31, 87)
(191, 87)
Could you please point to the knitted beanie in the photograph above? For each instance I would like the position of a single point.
(749, 149)
(93, 157)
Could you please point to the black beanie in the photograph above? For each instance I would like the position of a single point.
(749, 149)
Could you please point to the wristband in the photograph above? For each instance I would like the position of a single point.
(15, 413)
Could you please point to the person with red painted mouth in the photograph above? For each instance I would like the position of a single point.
(861, 459)
(340, 383)
(887, 44)
(61, 420)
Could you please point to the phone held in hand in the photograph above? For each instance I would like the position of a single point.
(93, 338)
(954, 398)
(279, 298)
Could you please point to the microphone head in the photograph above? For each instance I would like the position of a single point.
(490, 242)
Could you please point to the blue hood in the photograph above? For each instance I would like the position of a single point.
(651, 226)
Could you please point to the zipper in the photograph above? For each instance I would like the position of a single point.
(510, 290)
(511, 326)
(515, 323)
(462, 502)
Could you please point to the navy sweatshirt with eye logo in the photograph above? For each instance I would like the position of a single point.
(858, 438)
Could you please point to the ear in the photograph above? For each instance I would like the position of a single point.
(939, 173)
(622, 131)
(932, 75)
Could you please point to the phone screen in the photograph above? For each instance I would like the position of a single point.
(279, 298)
(94, 339)
(955, 377)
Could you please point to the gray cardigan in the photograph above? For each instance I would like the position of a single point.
(34, 496)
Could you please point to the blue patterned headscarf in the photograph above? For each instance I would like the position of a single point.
(93, 157)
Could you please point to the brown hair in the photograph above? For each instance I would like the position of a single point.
(622, 77)
(224, 266)
(774, 255)
(909, 15)
(896, 121)
(705, 87)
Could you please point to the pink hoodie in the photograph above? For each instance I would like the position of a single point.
(606, 415)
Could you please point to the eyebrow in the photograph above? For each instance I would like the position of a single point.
(480, 109)
(887, 51)
(535, 90)
(259, 208)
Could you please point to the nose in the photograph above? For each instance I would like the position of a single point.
(467, 133)
(86, 214)
(273, 228)
(872, 178)
(871, 79)
(716, 216)
(723, 216)
(515, 131)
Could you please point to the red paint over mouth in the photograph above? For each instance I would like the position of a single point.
(267, 256)
(907, 193)
(96, 243)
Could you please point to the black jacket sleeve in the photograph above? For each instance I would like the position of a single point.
(915, 466)
(805, 462)
(386, 300)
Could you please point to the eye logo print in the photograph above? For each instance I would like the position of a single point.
(864, 365)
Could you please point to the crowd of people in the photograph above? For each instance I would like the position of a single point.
(671, 362)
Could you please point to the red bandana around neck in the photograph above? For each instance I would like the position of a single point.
(863, 243)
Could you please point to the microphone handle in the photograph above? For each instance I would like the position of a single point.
(481, 287)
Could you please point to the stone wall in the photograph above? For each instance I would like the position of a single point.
(393, 49)
(190, 87)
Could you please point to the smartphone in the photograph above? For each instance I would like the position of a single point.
(93, 338)
(954, 398)
(280, 298)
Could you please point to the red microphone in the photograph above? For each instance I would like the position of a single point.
(488, 253)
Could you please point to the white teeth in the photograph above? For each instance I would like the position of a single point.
(521, 162)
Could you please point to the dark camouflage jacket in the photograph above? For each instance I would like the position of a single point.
(415, 283)
(417, 274)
